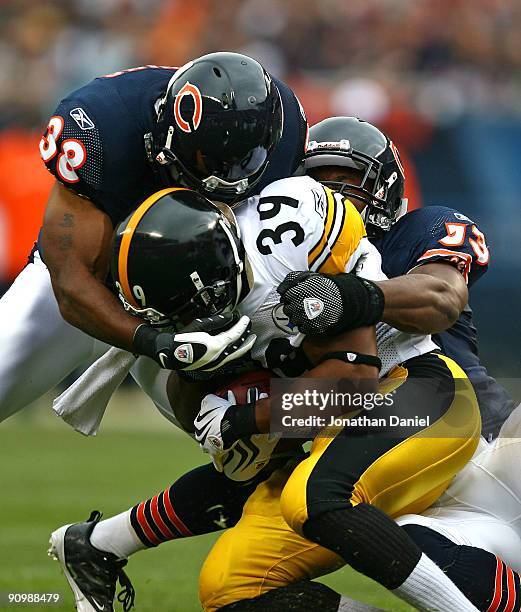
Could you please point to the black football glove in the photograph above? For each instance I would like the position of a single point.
(326, 304)
(206, 344)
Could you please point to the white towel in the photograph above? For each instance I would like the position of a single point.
(83, 404)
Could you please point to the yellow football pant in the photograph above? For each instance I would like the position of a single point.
(265, 551)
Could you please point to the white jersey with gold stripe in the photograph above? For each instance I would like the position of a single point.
(298, 224)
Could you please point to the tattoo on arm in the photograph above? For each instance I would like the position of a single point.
(67, 221)
(64, 242)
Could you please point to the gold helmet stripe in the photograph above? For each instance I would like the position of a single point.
(126, 240)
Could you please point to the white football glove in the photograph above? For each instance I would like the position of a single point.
(206, 344)
(222, 348)
(207, 425)
(244, 458)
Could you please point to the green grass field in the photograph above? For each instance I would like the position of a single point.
(51, 475)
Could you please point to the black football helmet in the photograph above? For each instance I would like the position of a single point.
(219, 121)
(349, 141)
(177, 258)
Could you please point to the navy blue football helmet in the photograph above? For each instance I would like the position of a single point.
(219, 122)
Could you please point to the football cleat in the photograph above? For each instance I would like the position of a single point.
(91, 573)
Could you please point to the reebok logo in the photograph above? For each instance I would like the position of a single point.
(82, 119)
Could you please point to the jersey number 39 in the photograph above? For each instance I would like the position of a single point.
(268, 208)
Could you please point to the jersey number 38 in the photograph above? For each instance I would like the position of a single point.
(70, 157)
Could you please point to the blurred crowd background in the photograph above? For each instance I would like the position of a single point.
(443, 77)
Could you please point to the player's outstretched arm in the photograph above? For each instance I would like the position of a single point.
(428, 300)
(75, 243)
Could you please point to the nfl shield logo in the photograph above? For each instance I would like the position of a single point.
(313, 307)
(184, 353)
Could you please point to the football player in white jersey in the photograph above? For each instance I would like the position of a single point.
(472, 531)
(188, 259)
(312, 502)
(274, 233)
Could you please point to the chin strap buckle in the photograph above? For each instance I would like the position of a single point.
(211, 183)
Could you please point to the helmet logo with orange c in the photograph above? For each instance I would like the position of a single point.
(189, 90)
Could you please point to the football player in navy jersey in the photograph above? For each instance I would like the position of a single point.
(220, 124)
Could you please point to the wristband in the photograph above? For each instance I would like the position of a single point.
(144, 341)
(362, 300)
(353, 358)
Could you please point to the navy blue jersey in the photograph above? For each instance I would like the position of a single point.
(94, 143)
(437, 233)
(434, 233)
(103, 124)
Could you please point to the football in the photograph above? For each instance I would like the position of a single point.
(257, 378)
(249, 457)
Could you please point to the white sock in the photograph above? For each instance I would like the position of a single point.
(428, 588)
(117, 536)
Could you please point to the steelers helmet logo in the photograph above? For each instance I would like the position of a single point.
(188, 123)
(281, 320)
